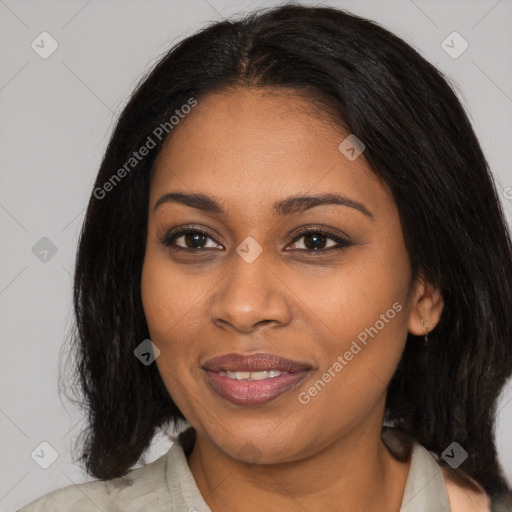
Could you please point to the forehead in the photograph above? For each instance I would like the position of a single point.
(254, 146)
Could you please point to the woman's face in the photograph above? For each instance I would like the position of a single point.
(254, 284)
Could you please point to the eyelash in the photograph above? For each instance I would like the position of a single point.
(168, 239)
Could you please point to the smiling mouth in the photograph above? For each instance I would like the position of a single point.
(251, 392)
(253, 379)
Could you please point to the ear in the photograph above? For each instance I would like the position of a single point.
(427, 303)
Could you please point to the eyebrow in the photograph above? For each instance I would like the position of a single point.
(287, 206)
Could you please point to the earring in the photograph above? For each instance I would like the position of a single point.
(426, 330)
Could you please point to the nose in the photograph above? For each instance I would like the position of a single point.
(250, 295)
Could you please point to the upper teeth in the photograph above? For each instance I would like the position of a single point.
(253, 375)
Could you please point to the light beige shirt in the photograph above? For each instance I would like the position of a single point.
(167, 485)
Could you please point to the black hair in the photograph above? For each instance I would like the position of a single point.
(418, 141)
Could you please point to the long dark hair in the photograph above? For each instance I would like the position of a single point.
(418, 141)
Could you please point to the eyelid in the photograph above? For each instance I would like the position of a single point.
(337, 236)
(183, 230)
(342, 241)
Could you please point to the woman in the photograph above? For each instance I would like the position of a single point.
(294, 244)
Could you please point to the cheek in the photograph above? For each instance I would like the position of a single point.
(349, 296)
(361, 310)
(176, 312)
(356, 368)
(168, 304)
(156, 297)
(169, 296)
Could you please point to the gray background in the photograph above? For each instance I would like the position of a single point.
(56, 117)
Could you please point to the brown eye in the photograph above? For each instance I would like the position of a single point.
(315, 240)
(196, 240)
(193, 239)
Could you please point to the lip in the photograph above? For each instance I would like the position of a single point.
(253, 363)
(256, 392)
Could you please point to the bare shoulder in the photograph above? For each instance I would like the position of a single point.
(463, 499)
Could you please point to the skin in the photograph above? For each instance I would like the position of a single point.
(249, 148)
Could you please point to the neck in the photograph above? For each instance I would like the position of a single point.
(354, 473)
